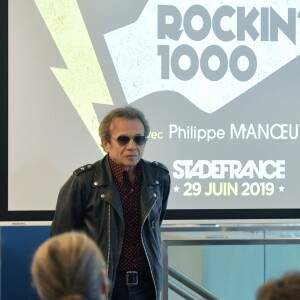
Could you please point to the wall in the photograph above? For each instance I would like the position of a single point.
(17, 247)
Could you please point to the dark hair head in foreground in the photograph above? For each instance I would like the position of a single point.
(285, 288)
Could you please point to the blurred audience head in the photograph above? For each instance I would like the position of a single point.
(285, 288)
(69, 266)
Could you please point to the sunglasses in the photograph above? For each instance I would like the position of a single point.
(123, 140)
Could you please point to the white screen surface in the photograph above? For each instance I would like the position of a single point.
(219, 85)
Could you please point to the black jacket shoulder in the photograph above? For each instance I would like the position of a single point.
(160, 165)
(156, 164)
(83, 169)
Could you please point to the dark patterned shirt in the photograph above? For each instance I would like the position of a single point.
(133, 256)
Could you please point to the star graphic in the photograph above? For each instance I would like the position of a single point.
(176, 189)
(281, 188)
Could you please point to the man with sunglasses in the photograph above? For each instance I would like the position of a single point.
(120, 201)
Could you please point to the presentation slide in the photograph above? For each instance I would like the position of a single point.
(218, 82)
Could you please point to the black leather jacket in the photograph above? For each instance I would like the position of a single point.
(89, 201)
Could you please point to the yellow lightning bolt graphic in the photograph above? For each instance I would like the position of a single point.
(83, 81)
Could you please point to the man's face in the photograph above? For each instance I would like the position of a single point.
(127, 156)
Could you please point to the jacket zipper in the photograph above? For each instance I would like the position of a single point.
(109, 242)
(109, 246)
(146, 249)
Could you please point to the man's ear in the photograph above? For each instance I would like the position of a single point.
(105, 145)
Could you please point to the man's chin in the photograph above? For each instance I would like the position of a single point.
(131, 162)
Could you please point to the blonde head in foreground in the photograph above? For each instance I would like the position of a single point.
(69, 266)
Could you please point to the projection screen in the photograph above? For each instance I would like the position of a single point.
(217, 80)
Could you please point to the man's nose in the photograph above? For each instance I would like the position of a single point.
(131, 144)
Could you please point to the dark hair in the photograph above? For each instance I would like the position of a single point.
(68, 266)
(285, 288)
(127, 112)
